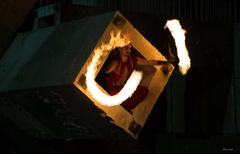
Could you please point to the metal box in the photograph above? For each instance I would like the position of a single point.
(54, 61)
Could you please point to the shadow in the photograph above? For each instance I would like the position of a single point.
(208, 81)
(206, 101)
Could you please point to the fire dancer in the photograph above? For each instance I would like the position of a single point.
(119, 70)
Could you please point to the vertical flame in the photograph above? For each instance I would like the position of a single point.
(131, 85)
(179, 36)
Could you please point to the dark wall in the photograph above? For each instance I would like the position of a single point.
(12, 14)
(222, 11)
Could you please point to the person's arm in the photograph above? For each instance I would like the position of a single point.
(142, 61)
(111, 67)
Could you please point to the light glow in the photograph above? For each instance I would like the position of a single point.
(132, 83)
(179, 36)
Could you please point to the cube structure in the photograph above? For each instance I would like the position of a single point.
(48, 66)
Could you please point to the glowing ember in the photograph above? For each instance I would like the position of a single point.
(131, 85)
(179, 36)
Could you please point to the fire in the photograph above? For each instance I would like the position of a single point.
(179, 36)
(117, 40)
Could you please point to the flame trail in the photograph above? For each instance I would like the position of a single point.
(179, 36)
(131, 84)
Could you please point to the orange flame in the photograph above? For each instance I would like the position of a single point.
(117, 40)
(179, 36)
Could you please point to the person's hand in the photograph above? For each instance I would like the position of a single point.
(138, 68)
(160, 62)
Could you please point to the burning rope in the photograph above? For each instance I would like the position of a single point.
(131, 84)
(179, 36)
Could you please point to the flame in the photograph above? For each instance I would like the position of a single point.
(117, 40)
(179, 36)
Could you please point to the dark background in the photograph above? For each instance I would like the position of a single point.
(194, 111)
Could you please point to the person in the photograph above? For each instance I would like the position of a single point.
(118, 71)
